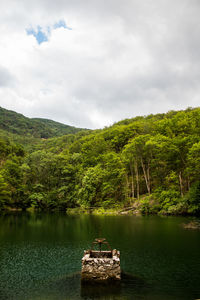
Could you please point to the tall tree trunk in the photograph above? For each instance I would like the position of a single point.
(132, 182)
(145, 176)
(137, 179)
(181, 183)
(148, 177)
(127, 186)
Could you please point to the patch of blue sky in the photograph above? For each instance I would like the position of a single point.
(60, 24)
(42, 35)
(38, 34)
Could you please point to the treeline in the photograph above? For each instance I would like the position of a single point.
(18, 124)
(151, 163)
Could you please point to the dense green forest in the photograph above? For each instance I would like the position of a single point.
(151, 163)
(18, 124)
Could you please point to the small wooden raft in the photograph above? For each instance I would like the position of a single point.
(101, 266)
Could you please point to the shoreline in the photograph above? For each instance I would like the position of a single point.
(100, 211)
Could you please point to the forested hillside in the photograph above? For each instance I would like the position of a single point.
(151, 163)
(18, 124)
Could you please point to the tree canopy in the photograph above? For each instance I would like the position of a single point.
(153, 161)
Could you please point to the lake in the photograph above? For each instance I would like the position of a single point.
(40, 256)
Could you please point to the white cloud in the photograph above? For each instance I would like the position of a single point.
(120, 59)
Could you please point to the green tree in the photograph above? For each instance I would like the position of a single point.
(5, 195)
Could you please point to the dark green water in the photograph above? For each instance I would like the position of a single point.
(40, 257)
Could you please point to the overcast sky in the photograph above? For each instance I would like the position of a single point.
(90, 63)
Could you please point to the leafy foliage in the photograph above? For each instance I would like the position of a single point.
(153, 161)
(15, 123)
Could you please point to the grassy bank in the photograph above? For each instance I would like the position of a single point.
(94, 211)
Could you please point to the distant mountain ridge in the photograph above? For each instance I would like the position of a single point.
(17, 123)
